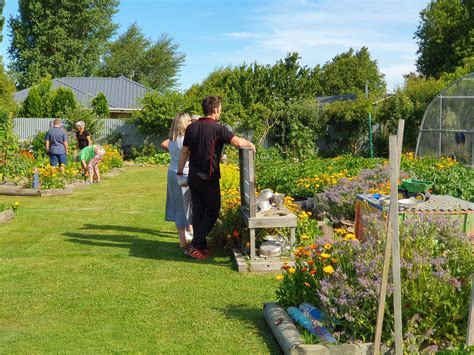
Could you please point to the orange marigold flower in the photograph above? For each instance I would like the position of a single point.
(285, 267)
(311, 262)
(304, 269)
(312, 272)
(313, 246)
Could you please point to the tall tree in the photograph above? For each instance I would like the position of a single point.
(2, 19)
(348, 72)
(445, 36)
(60, 38)
(154, 64)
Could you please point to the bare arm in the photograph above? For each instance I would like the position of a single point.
(89, 140)
(242, 143)
(47, 146)
(182, 160)
(165, 144)
(65, 146)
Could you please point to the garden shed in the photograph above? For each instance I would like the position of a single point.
(447, 126)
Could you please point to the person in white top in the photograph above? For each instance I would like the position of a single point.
(178, 198)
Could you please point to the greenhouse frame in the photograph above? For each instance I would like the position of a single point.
(447, 126)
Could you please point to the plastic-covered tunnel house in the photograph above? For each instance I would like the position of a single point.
(447, 126)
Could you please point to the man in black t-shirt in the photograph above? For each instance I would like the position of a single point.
(203, 144)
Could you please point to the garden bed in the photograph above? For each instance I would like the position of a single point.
(16, 190)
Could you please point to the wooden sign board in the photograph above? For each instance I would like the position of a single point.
(247, 181)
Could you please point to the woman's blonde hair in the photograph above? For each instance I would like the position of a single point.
(178, 127)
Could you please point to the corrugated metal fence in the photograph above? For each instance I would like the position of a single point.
(27, 128)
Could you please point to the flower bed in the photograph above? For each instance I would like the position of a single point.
(342, 277)
(21, 170)
(316, 175)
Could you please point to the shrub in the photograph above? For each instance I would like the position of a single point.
(62, 102)
(100, 105)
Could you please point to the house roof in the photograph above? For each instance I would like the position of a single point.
(325, 100)
(122, 94)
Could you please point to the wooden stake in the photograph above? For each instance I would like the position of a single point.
(387, 255)
(470, 323)
(397, 287)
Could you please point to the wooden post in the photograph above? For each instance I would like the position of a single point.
(470, 322)
(387, 255)
(397, 288)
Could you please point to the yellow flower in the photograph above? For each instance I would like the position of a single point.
(291, 270)
(17, 203)
(325, 255)
(304, 237)
(328, 269)
(327, 246)
(279, 277)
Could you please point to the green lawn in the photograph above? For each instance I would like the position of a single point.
(100, 271)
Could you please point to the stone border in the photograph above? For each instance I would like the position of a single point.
(291, 342)
(6, 216)
(13, 190)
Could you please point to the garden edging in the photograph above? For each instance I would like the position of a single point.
(291, 342)
(6, 216)
(14, 190)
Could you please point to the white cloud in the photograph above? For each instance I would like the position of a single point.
(319, 30)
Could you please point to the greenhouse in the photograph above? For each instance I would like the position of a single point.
(447, 126)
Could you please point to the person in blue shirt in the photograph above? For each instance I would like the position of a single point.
(56, 145)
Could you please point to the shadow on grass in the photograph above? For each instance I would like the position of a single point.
(254, 317)
(140, 247)
(169, 234)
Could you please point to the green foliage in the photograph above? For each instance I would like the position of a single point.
(61, 39)
(100, 105)
(408, 103)
(297, 128)
(38, 101)
(8, 142)
(348, 119)
(348, 72)
(38, 145)
(158, 111)
(445, 36)
(7, 89)
(2, 18)
(268, 101)
(154, 64)
(62, 102)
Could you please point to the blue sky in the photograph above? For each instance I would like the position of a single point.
(219, 33)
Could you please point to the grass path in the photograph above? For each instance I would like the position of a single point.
(100, 271)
